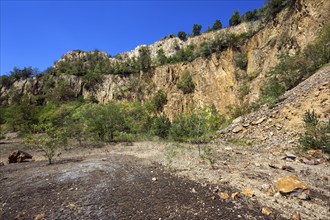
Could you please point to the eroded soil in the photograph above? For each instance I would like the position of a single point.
(150, 180)
(102, 184)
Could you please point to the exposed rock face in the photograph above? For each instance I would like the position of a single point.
(214, 78)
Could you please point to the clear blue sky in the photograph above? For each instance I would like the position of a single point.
(36, 33)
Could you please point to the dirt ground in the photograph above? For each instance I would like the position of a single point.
(154, 181)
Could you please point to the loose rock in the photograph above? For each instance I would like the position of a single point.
(266, 211)
(238, 129)
(296, 215)
(224, 195)
(292, 185)
(248, 192)
(19, 156)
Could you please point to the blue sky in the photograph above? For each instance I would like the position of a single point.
(37, 33)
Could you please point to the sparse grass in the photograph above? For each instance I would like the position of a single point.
(208, 155)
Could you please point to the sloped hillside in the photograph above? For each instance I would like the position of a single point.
(282, 124)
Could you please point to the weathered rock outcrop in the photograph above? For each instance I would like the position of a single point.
(214, 77)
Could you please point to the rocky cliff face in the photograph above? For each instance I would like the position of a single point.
(214, 78)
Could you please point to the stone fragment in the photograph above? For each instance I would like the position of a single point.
(310, 160)
(40, 216)
(193, 190)
(273, 166)
(237, 120)
(238, 128)
(245, 125)
(224, 181)
(315, 153)
(234, 195)
(291, 184)
(224, 195)
(154, 179)
(296, 215)
(290, 155)
(288, 168)
(266, 211)
(248, 192)
(259, 121)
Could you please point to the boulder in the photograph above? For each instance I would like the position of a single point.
(19, 156)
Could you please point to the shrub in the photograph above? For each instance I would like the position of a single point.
(197, 127)
(182, 35)
(161, 126)
(317, 134)
(158, 101)
(5, 81)
(196, 29)
(186, 84)
(205, 50)
(161, 58)
(241, 60)
(243, 90)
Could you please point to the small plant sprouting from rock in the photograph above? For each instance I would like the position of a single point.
(186, 84)
(317, 133)
(208, 155)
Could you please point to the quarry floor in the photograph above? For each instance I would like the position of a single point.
(150, 180)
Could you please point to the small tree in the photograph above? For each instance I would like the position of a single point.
(235, 19)
(196, 29)
(182, 35)
(50, 142)
(217, 25)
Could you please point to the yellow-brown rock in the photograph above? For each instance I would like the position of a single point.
(290, 184)
(266, 211)
(248, 192)
(224, 195)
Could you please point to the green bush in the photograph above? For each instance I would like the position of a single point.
(182, 35)
(317, 134)
(158, 101)
(243, 90)
(161, 126)
(235, 19)
(196, 29)
(217, 25)
(205, 50)
(161, 58)
(186, 84)
(241, 60)
(197, 127)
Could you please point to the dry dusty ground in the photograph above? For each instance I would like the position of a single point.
(156, 181)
